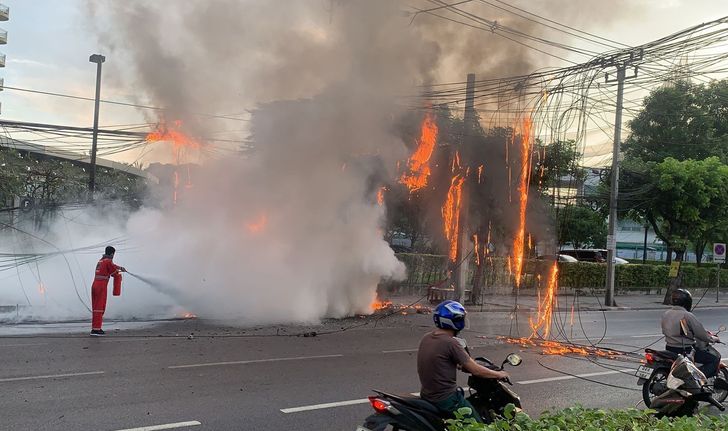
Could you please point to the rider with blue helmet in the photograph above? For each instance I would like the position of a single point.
(440, 355)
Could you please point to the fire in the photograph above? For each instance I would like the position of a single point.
(480, 173)
(518, 242)
(171, 133)
(476, 248)
(418, 165)
(188, 315)
(550, 347)
(380, 195)
(41, 289)
(380, 305)
(258, 225)
(546, 307)
(451, 214)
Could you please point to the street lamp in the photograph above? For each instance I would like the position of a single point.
(99, 60)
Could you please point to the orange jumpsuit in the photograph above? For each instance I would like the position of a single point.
(104, 270)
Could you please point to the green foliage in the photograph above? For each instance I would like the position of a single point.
(581, 226)
(632, 276)
(554, 161)
(582, 419)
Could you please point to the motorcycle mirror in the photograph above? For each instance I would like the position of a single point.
(514, 359)
(721, 328)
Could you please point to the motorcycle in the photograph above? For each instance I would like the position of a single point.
(687, 386)
(653, 375)
(489, 397)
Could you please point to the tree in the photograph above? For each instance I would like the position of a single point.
(555, 161)
(581, 226)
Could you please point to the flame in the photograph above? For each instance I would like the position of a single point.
(380, 195)
(258, 225)
(480, 173)
(451, 214)
(380, 305)
(188, 315)
(171, 133)
(477, 249)
(518, 242)
(418, 165)
(546, 307)
(41, 289)
(551, 347)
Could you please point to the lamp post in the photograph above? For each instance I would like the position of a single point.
(99, 60)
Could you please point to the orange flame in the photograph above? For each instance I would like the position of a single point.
(518, 242)
(171, 133)
(380, 305)
(476, 248)
(258, 225)
(418, 165)
(451, 214)
(380, 195)
(546, 307)
(480, 173)
(551, 347)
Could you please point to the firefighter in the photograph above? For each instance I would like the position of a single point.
(105, 269)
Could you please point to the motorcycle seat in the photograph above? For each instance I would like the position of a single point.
(416, 402)
(664, 354)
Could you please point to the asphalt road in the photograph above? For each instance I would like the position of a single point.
(227, 379)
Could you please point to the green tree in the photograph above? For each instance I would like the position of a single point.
(581, 226)
(554, 162)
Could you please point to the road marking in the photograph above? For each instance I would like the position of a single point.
(576, 376)
(165, 426)
(324, 406)
(646, 336)
(253, 361)
(53, 376)
(22, 345)
(399, 351)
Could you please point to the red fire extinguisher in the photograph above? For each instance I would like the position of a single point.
(117, 285)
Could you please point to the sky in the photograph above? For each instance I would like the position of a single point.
(49, 42)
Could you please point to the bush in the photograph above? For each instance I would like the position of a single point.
(581, 419)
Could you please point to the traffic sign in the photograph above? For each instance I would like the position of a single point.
(719, 250)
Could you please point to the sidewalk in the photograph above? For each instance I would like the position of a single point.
(528, 301)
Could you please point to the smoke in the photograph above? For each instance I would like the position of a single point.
(290, 232)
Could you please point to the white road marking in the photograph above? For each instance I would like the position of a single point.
(646, 336)
(22, 345)
(399, 351)
(165, 426)
(53, 376)
(576, 376)
(253, 361)
(325, 406)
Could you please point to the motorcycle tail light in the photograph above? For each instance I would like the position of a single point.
(380, 406)
(649, 358)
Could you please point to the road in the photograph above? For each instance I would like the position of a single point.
(228, 379)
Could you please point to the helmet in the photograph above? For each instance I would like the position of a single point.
(683, 298)
(449, 315)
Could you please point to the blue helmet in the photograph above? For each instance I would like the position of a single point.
(449, 315)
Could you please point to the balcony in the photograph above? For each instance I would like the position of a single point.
(3, 37)
(4, 12)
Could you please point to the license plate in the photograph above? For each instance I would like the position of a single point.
(643, 372)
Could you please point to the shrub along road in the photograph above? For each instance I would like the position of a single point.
(229, 380)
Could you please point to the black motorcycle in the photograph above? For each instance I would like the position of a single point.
(654, 372)
(489, 397)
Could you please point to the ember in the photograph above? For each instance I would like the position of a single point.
(550, 347)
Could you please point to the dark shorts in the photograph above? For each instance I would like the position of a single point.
(457, 401)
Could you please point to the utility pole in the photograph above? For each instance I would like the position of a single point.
(460, 278)
(99, 60)
(621, 66)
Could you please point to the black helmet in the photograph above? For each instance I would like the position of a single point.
(683, 298)
(109, 251)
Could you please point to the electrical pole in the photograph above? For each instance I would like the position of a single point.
(614, 192)
(99, 60)
(460, 278)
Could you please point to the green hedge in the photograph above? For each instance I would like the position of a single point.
(581, 419)
(585, 275)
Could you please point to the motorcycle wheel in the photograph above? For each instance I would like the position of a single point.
(721, 396)
(658, 378)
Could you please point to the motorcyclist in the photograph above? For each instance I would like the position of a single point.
(440, 355)
(684, 333)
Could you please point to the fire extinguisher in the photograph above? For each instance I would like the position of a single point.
(117, 285)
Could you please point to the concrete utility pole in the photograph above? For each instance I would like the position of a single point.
(460, 278)
(99, 60)
(614, 192)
